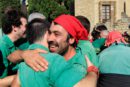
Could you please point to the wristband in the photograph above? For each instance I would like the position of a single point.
(93, 69)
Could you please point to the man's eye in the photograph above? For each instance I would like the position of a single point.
(57, 34)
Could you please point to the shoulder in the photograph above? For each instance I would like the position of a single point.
(23, 65)
(52, 56)
(3, 47)
(54, 59)
(2, 43)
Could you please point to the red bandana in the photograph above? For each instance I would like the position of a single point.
(73, 27)
(114, 36)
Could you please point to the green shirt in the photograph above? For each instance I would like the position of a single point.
(6, 48)
(59, 73)
(98, 44)
(88, 49)
(76, 73)
(24, 46)
(22, 43)
(115, 60)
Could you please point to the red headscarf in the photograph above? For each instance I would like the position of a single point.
(114, 36)
(73, 27)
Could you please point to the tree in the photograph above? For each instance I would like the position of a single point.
(69, 4)
(5, 3)
(50, 8)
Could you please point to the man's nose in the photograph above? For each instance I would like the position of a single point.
(51, 37)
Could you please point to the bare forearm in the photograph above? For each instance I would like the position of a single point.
(6, 82)
(15, 56)
(16, 82)
(31, 58)
(89, 81)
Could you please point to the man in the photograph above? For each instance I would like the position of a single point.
(99, 34)
(63, 38)
(114, 62)
(85, 45)
(13, 26)
(76, 31)
(71, 25)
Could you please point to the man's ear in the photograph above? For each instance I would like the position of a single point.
(14, 28)
(71, 40)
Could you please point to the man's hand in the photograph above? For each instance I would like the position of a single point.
(34, 60)
(15, 57)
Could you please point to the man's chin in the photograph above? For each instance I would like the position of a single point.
(52, 50)
(24, 36)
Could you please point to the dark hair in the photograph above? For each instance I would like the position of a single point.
(96, 31)
(22, 15)
(9, 19)
(85, 22)
(36, 29)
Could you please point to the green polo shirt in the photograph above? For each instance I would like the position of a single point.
(59, 73)
(76, 73)
(115, 60)
(6, 48)
(24, 46)
(88, 49)
(98, 44)
(22, 43)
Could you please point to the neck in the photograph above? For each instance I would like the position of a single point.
(44, 43)
(70, 53)
(13, 37)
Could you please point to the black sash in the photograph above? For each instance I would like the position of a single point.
(113, 80)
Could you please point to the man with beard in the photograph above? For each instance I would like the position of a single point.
(13, 26)
(65, 32)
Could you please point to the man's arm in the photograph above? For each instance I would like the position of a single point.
(31, 57)
(91, 78)
(15, 56)
(16, 82)
(89, 81)
(6, 82)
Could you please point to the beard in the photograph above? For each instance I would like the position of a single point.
(56, 48)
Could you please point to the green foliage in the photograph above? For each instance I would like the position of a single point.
(50, 8)
(5, 3)
(69, 4)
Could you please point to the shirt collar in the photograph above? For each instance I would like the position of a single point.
(119, 44)
(36, 46)
(78, 57)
